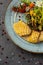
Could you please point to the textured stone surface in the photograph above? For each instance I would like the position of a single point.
(15, 55)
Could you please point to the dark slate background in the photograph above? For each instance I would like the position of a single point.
(10, 54)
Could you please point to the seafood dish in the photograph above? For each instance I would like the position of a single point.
(32, 30)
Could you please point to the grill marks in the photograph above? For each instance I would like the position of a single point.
(26, 34)
(39, 36)
(24, 31)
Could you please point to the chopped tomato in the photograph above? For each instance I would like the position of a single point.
(21, 10)
(14, 9)
(24, 5)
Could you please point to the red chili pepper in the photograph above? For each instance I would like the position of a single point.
(31, 5)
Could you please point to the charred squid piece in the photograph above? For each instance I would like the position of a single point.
(21, 28)
(41, 37)
(33, 38)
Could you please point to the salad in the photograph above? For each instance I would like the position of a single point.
(34, 17)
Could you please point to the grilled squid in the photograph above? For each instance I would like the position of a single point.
(24, 31)
(21, 28)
